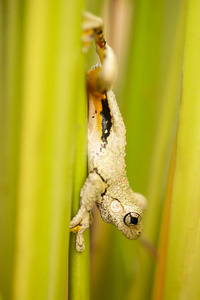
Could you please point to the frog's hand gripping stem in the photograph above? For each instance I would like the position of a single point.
(101, 78)
(91, 191)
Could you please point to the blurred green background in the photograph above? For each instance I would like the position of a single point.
(43, 156)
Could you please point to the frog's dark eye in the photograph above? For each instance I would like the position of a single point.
(132, 219)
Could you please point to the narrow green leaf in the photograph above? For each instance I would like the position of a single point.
(183, 258)
(79, 263)
(153, 90)
(40, 195)
(11, 39)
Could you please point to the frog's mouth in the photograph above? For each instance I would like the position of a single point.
(133, 233)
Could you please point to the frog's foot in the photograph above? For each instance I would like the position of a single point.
(89, 25)
(80, 246)
(83, 218)
(91, 21)
(78, 225)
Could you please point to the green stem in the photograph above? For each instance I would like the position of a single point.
(41, 59)
(183, 267)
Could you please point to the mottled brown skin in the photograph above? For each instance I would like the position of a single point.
(107, 184)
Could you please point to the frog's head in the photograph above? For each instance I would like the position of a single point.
(126, 217)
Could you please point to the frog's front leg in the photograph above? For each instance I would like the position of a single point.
(91, 192)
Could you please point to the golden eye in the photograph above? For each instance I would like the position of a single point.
(132, 218)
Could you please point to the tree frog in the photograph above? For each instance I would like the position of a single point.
(107, 185)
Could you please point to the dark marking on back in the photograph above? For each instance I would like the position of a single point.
(103, 194)
(106, 120)
(97, 172)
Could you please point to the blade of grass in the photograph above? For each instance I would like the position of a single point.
(157, 146)
(164, 233)
(79, 263)
(140, 94)
(183, 267)
(71, 83)
(35, 189)
(52, 57)
(94, 6)
(11, 38)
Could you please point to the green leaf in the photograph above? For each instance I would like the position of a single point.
(183, 267)
(42, 88)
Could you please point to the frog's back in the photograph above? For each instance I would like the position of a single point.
(106, 136)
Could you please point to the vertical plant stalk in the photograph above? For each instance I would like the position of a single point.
(159, 277)
(71, 83)
(158, 107)
(50, 75)
(11, 39)
(183, 258)
(167, 100)
(79, 263)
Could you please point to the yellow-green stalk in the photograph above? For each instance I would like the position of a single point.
(183, 257)
(79, 263)
(11, 56)
(42, 81)
(158, 107)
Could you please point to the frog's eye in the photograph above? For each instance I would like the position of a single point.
(132, 218)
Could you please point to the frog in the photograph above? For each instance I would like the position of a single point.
(107, 184)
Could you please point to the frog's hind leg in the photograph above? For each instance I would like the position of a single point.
(101, 78)
(90, 25)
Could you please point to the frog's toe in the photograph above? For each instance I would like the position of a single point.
(91, 217)
(80, 246)
(91, 21)
(89, 24)
(77, 219)
(75, 229)
(86, 39)
(75, 222)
